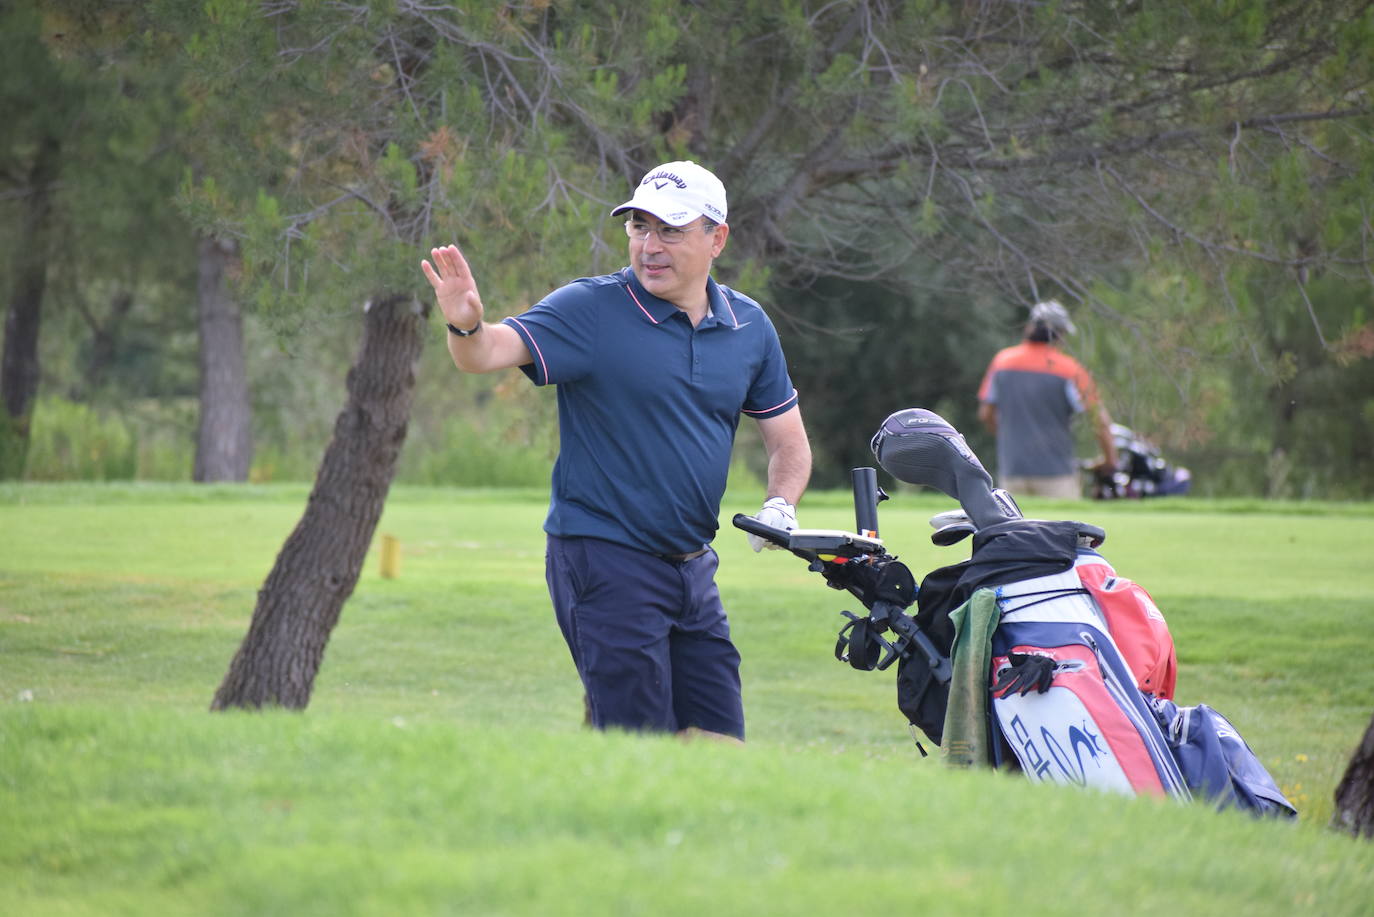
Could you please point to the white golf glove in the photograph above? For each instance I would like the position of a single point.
(778, 513)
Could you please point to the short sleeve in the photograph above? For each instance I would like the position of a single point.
(987, 390)
(1087, 389)
(560, 332)
(771, 392)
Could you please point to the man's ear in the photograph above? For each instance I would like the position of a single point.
(721, 233)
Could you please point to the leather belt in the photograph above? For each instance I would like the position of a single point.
(683, 558)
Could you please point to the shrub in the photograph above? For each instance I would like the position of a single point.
(70, 441)
(466, 454)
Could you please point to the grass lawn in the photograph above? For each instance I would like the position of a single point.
(442, 767)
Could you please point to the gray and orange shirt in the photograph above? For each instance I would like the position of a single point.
(1037, 389)
(648, 406)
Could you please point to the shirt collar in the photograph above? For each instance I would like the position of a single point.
(660, 310)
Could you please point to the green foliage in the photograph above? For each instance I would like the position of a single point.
(113, 306)
(72, 442)
(1193, 178)
(144, 440)
(880, 348)
(14, 447)
(25, 62)
(469, 455)
(399, 173)
(1234, 382)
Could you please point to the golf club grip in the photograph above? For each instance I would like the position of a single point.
(763, 530)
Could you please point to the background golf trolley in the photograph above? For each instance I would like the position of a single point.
(1031, 653)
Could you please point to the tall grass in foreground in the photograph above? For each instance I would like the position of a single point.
(174, 812)
(441, 767)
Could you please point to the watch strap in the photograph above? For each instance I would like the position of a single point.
(459, 332)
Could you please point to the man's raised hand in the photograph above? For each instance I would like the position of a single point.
(454, 288)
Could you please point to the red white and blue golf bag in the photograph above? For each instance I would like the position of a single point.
(1064, 698)
(1092, 725)
(1032, 650)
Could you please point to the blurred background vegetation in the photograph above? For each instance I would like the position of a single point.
(198, 199)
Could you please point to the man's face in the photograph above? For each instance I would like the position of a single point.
(676, 272)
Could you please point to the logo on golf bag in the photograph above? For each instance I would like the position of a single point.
(1082, 741)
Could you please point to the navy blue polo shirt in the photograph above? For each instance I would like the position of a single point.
(648, 406)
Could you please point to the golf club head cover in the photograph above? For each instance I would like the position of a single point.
(921, 447)
(1027, 672)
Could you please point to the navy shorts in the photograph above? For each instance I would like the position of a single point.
(648, 635)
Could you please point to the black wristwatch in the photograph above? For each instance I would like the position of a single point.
(459, 332)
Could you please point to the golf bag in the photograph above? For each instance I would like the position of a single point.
(1031, 653)
(1063, 701)
(1141, 470)
(1089, 724)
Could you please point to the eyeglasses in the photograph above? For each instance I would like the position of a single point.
(668, 235)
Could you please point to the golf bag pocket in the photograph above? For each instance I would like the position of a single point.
(921, 696)
(1136, 624)
(1077, 731)
(1216, 762)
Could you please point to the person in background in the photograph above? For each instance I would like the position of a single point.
(1029, 396)
(654, 366)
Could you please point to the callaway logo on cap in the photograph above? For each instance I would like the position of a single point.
(677, 193)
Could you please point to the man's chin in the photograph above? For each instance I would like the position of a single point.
(657, 284)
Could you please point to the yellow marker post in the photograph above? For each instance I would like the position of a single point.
(391, 557)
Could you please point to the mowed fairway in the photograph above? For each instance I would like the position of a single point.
(442, 766)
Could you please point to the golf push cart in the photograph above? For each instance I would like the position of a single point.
(1140, 472)
(1033, 652)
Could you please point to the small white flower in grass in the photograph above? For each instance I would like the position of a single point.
(26, 696)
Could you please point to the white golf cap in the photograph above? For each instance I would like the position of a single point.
(1053, 315)
(677, 193)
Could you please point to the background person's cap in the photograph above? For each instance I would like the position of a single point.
(677, 193)
(1052, 315)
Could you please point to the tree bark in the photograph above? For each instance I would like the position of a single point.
(318, 566)
(1355, 793)
(19, 363)
(224, 439)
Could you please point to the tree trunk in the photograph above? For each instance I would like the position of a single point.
(19, 363)
(1355, 793)
(224, 440)
(318, 567)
